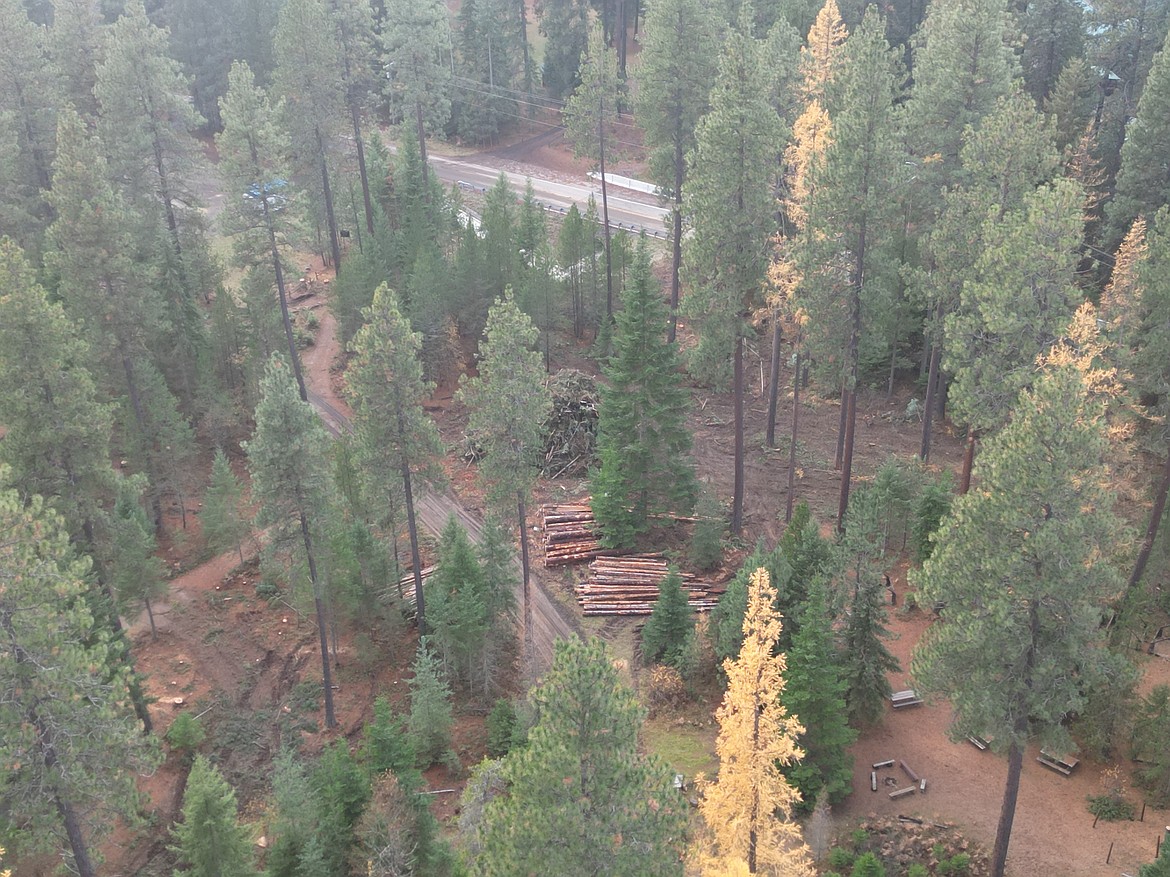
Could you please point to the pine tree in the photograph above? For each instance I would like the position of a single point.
(253, 154)
(664, 636)
(747, 808)
(729, 194)
(1054, 34)
(590, 111)
(815, 692)
(136, 574)
(678, 64)
(392, 431)
(566, 25)
(306, 78)
(210, 842)
(1022, 566)
(500, 253)
(459, 610)
(75, 47)
(224, 526)
(820, 57)
(71, 747)
(1143, 182)
(415, 40)
(430, 708)
(572, 251)
(581, 798)
(354, 20)
(508, 404)
(490, 66)
(287, 457)
(642, 442)
(850, 276)
(1071, 102)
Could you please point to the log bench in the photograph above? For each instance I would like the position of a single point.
(1062, 764)
(909, 790)
(909, 697)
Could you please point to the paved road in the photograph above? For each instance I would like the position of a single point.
(624, 212)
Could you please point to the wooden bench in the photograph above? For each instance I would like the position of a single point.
(909, 697)
(1062, 764)
(909, 790)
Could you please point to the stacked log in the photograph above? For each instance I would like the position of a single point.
(406, 586)
(628, 585)
(569, 535)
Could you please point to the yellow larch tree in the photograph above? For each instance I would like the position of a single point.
(748, 807)
(820, 57)
(803, 159)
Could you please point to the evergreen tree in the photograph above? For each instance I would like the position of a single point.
(850, 276)
(508, 404)
(71, 747)
(1022, 566)
(565, 24)
(499, 250)
(1054, 34)
(749, 805)
(573, 247)
(308, 60)
(581, 799)
(1143, 182)
(642, 438)
(679, 54)
(287, 457)
(224, 526)
(210, 842)
(459, 612)
(354, 20)
(430, 709)
(729, 195)
(136, 574)
(392, 431)
(728, 615)
(815, 691)
(75, 47)
(589, 113)
(253, 154)
(664, 636)
(416, 37)
(1071, 101)
(490, 67)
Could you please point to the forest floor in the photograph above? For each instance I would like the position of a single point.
(252, 667)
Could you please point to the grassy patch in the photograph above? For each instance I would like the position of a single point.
(686, 748)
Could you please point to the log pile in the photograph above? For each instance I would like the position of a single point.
(629, 586)
(569, 535)
(406, 586)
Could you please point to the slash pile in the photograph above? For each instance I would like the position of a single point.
(629, 586)
(569, 536)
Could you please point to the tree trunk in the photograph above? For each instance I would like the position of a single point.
(421, 131)
(839, 457)
(529, 640)
(1156, 513)
(524, 49)
(754, 819)
(847, 463)
(150, 615)
(788, 506)
(774, 380)
(932, 380)
(968, 463)
(676, 235)
(330, 216)
(367, 201)
(281, 292)
(605, 214)
(621, 46)
(415, 558)
(737, 392)
(322, 631)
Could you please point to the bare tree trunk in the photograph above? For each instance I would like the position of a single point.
(330, 216)
(367, 201)
(605, 213)
(932, 380)
(847, 464)
(415, 558)
(150, 615)
(529, 639)
(839, 458)
(737, 392)
(774, 380)
(1156, 513)
(790, 501)
(322, 631)
(968, 462)
(676, 234)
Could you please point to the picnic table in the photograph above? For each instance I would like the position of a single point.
(1062, 764)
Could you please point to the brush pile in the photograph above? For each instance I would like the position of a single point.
(570, 432)
(569, 535)
(629, 586)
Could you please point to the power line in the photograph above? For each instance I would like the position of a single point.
(458, 82)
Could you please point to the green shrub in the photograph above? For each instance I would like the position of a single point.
(859, 837)
(934, 502)
(868, 865)
(917, 870)
(266, 589)
(707, 540)
(839, 857)
(1111, 808)
(185, 734)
